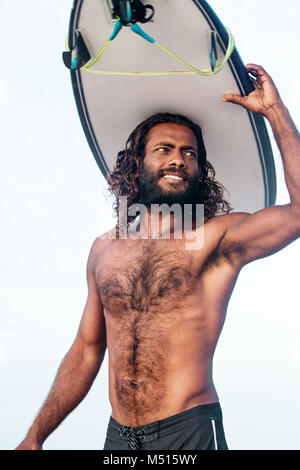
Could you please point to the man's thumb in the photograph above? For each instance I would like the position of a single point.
(234, 99)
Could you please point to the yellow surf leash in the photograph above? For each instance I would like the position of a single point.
(138, 30)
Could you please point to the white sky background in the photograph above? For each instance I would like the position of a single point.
(53, 206)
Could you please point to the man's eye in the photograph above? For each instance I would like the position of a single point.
(190, 154)
(162, 149)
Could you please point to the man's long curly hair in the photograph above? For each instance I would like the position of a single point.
(123, 181)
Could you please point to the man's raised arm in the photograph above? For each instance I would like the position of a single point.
(77, 370)
(269, 230)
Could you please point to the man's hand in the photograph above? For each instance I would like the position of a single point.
(264, 98)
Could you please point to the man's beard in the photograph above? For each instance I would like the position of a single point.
(151, 192)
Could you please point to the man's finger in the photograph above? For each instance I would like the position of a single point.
(237, 99)
(259, 72)
(256, 85)
(256, 68)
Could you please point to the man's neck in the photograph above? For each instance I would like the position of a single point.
(161, 226)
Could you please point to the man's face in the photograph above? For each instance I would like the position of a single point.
(169, 172)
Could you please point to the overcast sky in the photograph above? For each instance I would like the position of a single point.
(53, 206)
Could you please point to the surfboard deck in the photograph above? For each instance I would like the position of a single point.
(111, 106)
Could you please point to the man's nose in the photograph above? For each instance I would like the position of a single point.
(177, 159)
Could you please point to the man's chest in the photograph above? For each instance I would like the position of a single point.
(151, 275)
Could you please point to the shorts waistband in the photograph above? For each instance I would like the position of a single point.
(148, 432)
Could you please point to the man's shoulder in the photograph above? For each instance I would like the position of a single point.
(228, 248)
(102, 241)
(225, 221)
(219, 226)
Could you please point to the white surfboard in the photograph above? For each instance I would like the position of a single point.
(112, 104)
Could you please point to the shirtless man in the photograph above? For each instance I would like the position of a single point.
(159, 308)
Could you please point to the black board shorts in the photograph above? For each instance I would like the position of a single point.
(199, 428)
